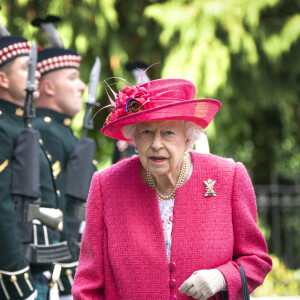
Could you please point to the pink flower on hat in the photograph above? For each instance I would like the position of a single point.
(130, 100)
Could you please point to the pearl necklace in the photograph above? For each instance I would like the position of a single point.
(179, 182)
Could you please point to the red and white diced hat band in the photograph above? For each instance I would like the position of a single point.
(52, 59)
(49, 59)
(12, 47)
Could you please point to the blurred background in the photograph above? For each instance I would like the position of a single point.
(244, 53)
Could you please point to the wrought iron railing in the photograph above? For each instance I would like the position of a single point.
(279, 215)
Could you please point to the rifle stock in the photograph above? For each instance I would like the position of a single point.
(51, 217)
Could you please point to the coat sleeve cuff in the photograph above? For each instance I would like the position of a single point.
(232, 276)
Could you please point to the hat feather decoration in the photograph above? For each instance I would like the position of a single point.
(56, 57)
(48, 26)
(138, 70)
(3, 31)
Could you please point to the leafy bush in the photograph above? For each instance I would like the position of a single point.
(280, 281)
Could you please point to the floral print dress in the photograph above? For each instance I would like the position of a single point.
(166, 213)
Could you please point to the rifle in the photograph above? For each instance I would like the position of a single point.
(91, 100)
(79, 171)
(25, 186)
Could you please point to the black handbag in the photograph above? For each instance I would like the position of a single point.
(245, 291)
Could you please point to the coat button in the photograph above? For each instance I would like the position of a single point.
(172, 283)
(172, 266)
(173, 297)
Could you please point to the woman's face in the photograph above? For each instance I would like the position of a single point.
(161, 145)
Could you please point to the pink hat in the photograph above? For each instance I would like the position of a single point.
(162, 99)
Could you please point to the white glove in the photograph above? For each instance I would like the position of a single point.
(204, 284)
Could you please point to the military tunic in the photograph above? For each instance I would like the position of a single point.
(13, 265)
(60, 142)
(15, 276)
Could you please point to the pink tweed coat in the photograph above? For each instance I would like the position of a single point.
(123, 253)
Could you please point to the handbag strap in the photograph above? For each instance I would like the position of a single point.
(245, 291)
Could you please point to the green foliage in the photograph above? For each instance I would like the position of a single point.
(280, 281)
(204, 34)
(277, 44)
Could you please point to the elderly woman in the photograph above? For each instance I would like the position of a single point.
(169, 223)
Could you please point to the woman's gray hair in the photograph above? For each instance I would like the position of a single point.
(192, 132)
(129, 132)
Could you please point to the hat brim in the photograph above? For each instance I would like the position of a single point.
(199, 111)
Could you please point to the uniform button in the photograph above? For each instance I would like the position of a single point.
(69, 272)
(172, 266)
(47, 119)
(0, 112)
(49, 156)
(67, 122)
(19, 112)
(58, 193)
(173, 297)
(172, 283)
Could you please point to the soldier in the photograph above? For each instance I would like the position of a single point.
(59, 101)
(15, 277)
(22, 240)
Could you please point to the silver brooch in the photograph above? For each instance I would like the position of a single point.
(209, 188)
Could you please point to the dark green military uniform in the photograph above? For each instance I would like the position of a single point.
(24, 243)
(60, 142)
(11, 258)
(15, 277)
(63, 147)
